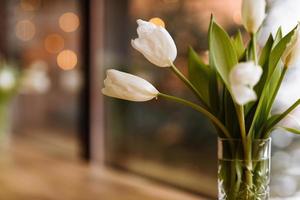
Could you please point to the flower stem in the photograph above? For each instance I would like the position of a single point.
(200, 109)
(246, 145)
(189, 85)
(253, 40)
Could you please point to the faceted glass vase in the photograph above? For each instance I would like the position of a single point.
(240, 178)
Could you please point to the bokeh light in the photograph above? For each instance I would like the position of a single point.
(35, 79)
(30, 5)
(7, 79)
(25, 30)
(157, 21)
(71, 81)
(67, 59)
(69, 22)
(54, 43)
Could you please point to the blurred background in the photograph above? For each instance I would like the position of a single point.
(61, 139)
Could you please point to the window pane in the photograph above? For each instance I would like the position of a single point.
(160, 139)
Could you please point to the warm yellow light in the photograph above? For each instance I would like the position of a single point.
(69, 22)
(67, 59)
(54, 43)
(157, 21)
(30, 5)
(25, 30)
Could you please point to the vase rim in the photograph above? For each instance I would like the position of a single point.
(269, 139)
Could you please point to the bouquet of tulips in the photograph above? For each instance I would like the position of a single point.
(235, 90)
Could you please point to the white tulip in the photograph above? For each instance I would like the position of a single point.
(243, 77)
(155, 43)
(127, 86)
(292, 51)
(243, 94)
(245, 73)
(253, 14)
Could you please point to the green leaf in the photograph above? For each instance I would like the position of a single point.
(199, 74)
(273, 121)
(238, 44)
(222, 53)
(265, 103)
(230, 117)
(278, 36)
(291, 130)
(278, 50)
(269, 86)
(214, 83)
(265, 53)
(263, 61)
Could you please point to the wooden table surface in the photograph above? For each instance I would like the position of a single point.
(35, 167)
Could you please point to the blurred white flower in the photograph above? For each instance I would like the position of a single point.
(7, 79)
(71, 80)
(284, 14)
(127, 86)
(35, 79)
(253, 14)
(155, 43)
(243, 77)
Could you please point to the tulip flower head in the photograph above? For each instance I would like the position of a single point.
(155, 42)
(292, 51)
(127, 86)
(243, 77)
(253, 14)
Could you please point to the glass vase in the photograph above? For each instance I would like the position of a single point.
(240, 178)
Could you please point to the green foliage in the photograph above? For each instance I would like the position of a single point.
(277, 52)
(278, 37)
(272, 78)
(212, 81)
(199, 75)
(292, 130)
(222, 52)
(238, 44)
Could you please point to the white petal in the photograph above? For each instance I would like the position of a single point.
(245, 73)
(155, 43)
(253, 14)
(127, 86)
(243, 94)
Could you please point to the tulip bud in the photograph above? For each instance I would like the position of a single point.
(127, 86)
(243, 77)
(155, 43)
(292, 51)
(253, 14)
